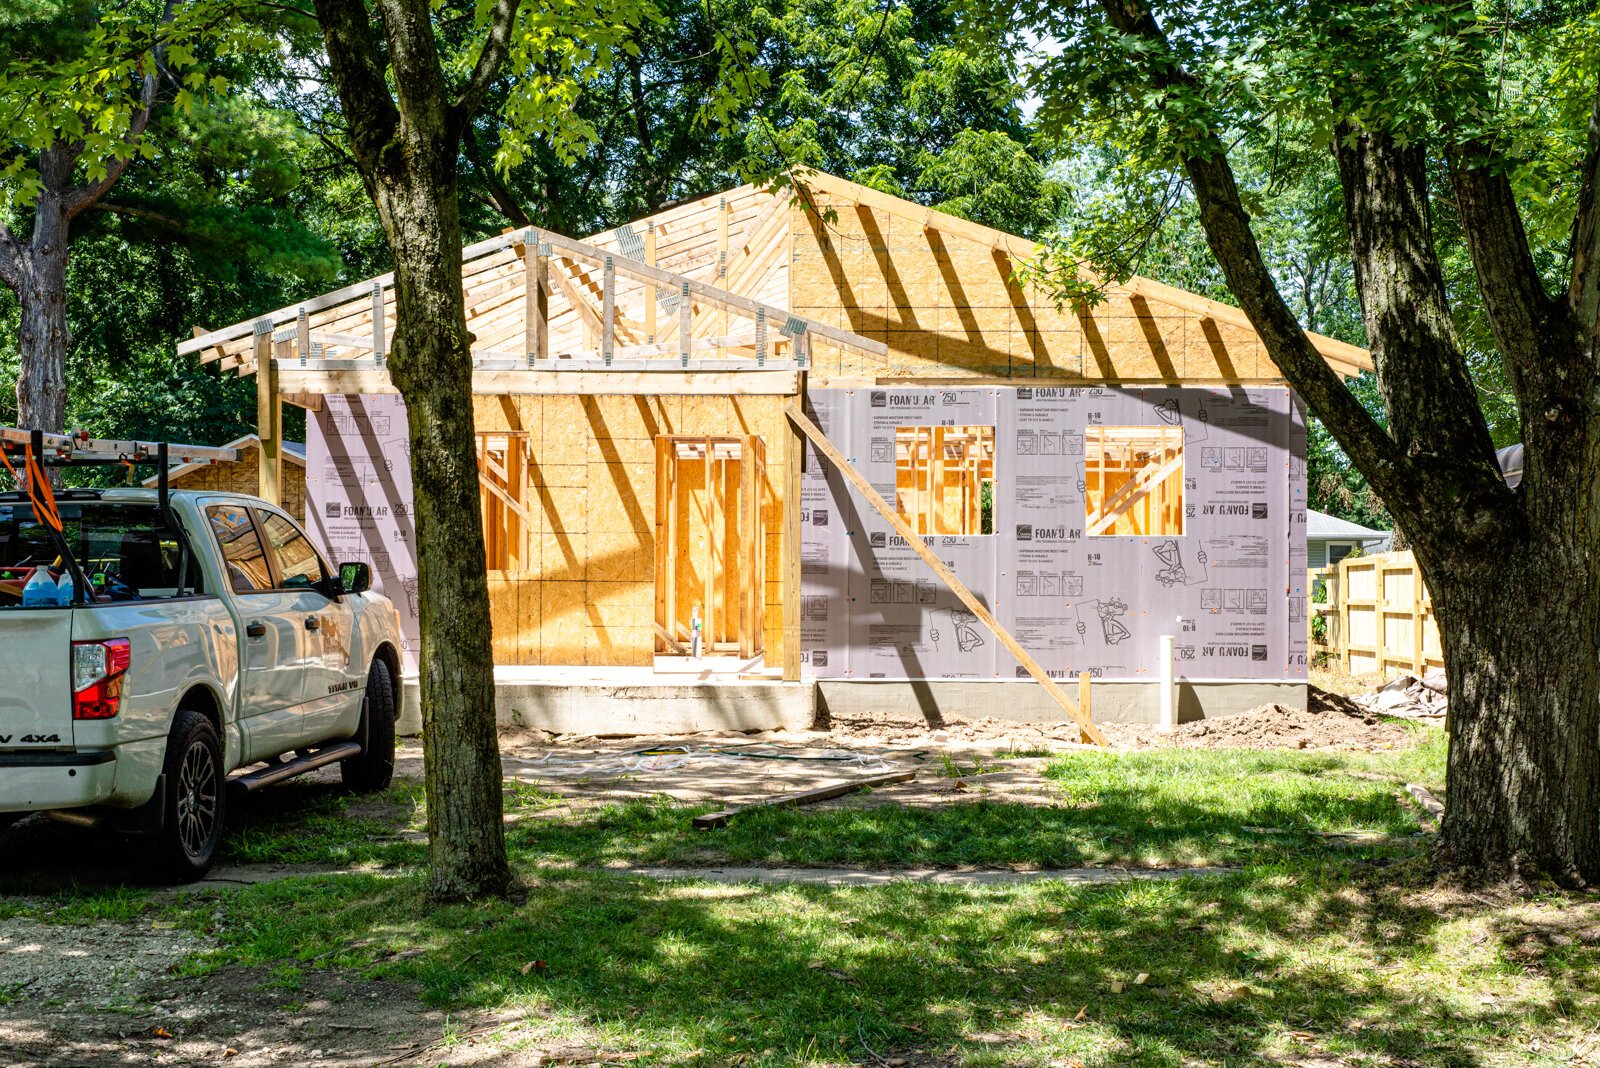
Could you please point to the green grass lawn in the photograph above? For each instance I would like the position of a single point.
(1156, 808)
(1315, 953)
(1279, 964)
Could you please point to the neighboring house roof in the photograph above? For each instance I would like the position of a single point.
(1510, 459)
(293, 451)
(1320, 526)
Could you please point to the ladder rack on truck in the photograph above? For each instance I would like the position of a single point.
(36, 450)
(78, 448)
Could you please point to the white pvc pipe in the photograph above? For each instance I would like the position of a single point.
(1169, 692)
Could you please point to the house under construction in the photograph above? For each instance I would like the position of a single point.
(825, 438)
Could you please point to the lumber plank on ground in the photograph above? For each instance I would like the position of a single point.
(803, 797)
(1430, 804)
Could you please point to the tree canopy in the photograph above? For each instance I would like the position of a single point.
(241, 194)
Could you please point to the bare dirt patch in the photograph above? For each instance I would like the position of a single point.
(948, 732)
(107, 994)
(1330, 721)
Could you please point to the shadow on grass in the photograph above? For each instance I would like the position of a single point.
(1167, 808)
(301, 822)
(313, 822)
(1156, 809)
(1271, 966)
(1170, 808)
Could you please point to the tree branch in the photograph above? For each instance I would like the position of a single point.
(12, 259)
(1514, 298)
(146, 214)
(498, 196)
(1583, 290)
(357, 70)
(502, 19)
(419, 77)
(1233, 242)
(290, 8)
(1433, 407)
(81, 198)
(85, 196)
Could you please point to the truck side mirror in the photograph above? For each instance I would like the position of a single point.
(355, 577)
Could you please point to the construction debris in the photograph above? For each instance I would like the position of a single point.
(804, 797)
(1430, 804)
(1411, 698)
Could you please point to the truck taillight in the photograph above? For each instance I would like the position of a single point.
(97, 672)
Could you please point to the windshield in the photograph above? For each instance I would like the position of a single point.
(127, 551)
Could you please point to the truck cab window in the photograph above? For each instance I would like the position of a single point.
(126, 551)
(298, 565)
(242, 555)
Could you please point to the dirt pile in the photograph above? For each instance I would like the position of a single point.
(1330, 721)
(900, 729)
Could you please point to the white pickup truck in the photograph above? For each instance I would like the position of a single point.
(212, 637)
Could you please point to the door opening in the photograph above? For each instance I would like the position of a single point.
(710, 545)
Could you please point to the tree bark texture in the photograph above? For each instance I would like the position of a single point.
(1518, 629)
(37, 273)
(406, 149)
(1514, 574)
(431, 365)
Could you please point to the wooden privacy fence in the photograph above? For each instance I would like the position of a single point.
(1377, 616)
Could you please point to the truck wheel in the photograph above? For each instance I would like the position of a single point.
(374, 768)
(191, 827)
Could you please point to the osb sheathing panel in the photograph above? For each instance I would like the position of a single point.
(950, 307)
(589, 597)
(242, 476)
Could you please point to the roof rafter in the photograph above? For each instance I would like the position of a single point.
(1344, 357)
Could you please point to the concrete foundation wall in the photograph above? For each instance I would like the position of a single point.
(595, 708)
(606, 709)
(1027, 702)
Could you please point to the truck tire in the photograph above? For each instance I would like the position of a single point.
(374, 768)
(192, 810)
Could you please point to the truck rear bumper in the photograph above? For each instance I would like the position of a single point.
(37, 782)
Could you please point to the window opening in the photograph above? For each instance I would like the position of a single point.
(126, 551)
(711, 545)
(944, 478)
(298, 565)
(243, 558)
(503, 481)
(1338, 550)
(1133, 481)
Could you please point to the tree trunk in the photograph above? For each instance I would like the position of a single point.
(407, 155)
(42, 294)
(1518, 630)
(431, 365)
(1515, 575)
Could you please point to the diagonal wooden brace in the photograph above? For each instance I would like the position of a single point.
(804, 424)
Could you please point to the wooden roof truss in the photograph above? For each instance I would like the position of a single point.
(693, 304)
(689, 300)
(1347, 360)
